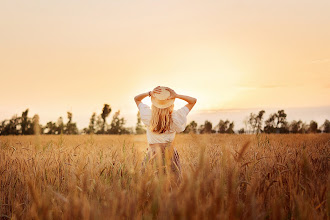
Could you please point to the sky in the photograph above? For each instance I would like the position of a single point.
(233, 56)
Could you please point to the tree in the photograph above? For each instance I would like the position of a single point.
(313, 127)
(25, 122)
(201, 129)
(70, 128)
(304, 128)
(246, 125)
(92, 123)
(241, 131)
(230, 129)
(105, 113)
(223, 126)
(99, 125)
(298, 127)
(191, 128)
(50, 128)
(2, 127)
(295, 126)
(12, 127)
(276, 123)
(139, 126)
(282, 122)
(270, 124)
(9, 127)
(17, 125)
(256, 121)
(226, 127)
(326, 126)
(206, 128)
(259, 121)
(252, 122)
(117, 125)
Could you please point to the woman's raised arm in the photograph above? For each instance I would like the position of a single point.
(191, 101)
(141, 96)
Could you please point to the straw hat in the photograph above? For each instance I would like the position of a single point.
(160, 100)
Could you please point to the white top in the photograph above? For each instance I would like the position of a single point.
(179, 118)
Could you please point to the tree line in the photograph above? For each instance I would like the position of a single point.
(24, 125)
(255, 123)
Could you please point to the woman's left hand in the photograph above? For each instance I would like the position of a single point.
(173, 94)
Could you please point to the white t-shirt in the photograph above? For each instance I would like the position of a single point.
(179, 118)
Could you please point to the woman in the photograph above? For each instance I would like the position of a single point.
(163, 123)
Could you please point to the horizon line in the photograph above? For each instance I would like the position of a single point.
(256, 108)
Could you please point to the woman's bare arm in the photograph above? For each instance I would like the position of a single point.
(191, 101)
(141, 96)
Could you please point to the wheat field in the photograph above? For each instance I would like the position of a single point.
(223, 177)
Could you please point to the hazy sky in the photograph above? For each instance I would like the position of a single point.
(59, 56)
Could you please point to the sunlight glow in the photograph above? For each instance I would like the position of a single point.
(79, 56)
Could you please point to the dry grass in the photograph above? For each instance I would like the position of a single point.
(224, 177)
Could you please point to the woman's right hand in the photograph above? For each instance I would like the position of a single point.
(156, 90)
(173, 94)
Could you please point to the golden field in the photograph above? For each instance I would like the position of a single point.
(224, 177)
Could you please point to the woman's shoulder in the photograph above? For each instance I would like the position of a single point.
(181, 111)
(142, 105)
(179, 118)
(145, 113)
(143, 108)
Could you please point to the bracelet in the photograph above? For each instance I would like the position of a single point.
(149, 93)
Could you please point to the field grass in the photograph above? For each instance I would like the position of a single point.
(224, 177)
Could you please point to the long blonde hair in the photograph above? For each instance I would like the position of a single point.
(161, 119)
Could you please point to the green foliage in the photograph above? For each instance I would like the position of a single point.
(223, 125)
(99, 125)
(326, 126)
(313, 128)
(206, 128)
(117, 125)
(105, 113)
(191, 128)
(298, 127)
(92, 125)
(50, 128)
(277, 123)
(25, 122)
(255, 121)
(226, 127)
(70, 128)
(20, 125)
(10, 127)
(241, 131)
